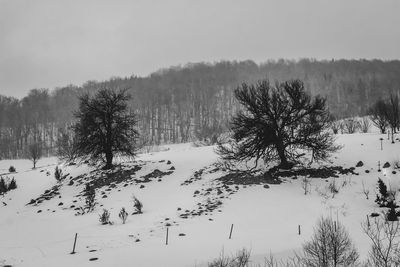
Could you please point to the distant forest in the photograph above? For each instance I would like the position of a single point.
(194, 102)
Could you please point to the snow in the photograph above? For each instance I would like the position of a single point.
(265, 220)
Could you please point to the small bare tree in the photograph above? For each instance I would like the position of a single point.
(385, 250)
(330, 246)
(351, 125)
(365, 124)
(365, 190)
(35, 153)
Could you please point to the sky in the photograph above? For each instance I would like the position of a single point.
(53, 43)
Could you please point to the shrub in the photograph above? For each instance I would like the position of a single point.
(90, 200)
(12, 185)
(365, 124)
(104, 218)
(330, 245)
(3, 186)
(123, 215)
(351, 125)
(12, 169)
(241, 259)
(335, 126)
(58, 174)
(137, 204)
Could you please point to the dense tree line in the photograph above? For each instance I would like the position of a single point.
(195, 101)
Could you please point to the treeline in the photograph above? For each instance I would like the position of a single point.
(196, 101)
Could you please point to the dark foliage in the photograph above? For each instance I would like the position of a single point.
(382, 198)
(3, 186)
(391, 214)
(12, 169)
(90, 198)
(105, 127)
(279, 123)
(12, 185)
(58, 174)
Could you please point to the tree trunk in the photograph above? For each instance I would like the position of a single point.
(284, 164)
(109, 159)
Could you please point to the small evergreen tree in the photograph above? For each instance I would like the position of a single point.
(3, 186)
(12, 185)
(58, 174)
(382, 198)
(90, 200)
(391, 214)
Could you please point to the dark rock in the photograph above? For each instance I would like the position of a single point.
(168, 162)
(374, 214)
(394, 172)
(366, 171)
(266, 186)
(182, 234)
(141, 186)
(386, 165)
(60, 204)
(172, 168)
(360, 164)
(93, 259)
(39, 211)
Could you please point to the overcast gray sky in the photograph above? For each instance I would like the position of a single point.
(50, 43)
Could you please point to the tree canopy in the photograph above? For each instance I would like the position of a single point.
(105, 126)
(279, 122)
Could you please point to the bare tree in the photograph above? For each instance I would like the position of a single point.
(351, 125)
(365, 125)
(35, 153)
(277, 123)
(385, 249)
(330, 246)
(378, 113)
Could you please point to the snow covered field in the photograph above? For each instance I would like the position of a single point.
(265, 219)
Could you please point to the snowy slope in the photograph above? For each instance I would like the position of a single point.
(265, 220)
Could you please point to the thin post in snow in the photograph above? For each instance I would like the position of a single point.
(299, 229)
(230, 233)
(166, 238)
(368, 224)
(73, 249)
(381, 143)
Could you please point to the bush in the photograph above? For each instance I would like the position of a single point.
(241, 259)
(123, 215)
(104, 218)
(12, 169)
(365, 124)
(330, 245)
(137, 204)
(58, 174)
(351, 125)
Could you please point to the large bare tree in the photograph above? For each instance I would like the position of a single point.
(278, 122)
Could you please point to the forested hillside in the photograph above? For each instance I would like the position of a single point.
(180, 104)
